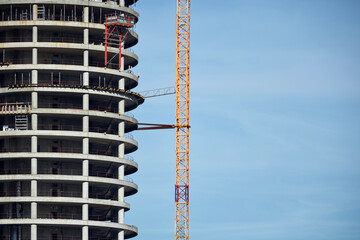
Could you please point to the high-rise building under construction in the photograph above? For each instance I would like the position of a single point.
(65, 95)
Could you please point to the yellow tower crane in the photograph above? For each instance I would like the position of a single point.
(182, 120)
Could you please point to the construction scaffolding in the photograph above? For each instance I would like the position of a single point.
(116, 28)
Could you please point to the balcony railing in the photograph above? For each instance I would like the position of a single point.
(102, 174)
(60, 127)
(61, 105)
(103, 152)
(102, 196)
(56, 171)
(15, 171)
(56, 193)
(15, 194)
(61, 39)
(14, 149)
(60, 216)
(13, 216)
(103, 108)
(103, 130)
(62, 149)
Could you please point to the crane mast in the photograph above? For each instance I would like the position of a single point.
(182, 120)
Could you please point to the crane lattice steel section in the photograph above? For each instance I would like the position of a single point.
(182, 121)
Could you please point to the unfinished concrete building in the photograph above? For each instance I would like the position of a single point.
(65, 118)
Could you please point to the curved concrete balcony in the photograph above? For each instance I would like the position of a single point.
(130, 58)
(70, 200)
(130, 187)
(130, 230)
(132, 100)
(89, 3)
(128, 140)
(130, 165)
(73, 68)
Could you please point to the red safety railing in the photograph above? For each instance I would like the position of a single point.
(55, 193)
(61, 105)
(15, 194)
(14, 171)
(120, 20)
(102, 174)
(60, 127)
(55, 171)
(14, 149)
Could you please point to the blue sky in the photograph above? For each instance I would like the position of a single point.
(275, 116)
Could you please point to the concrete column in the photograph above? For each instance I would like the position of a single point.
(85, 233)
(121, 106)
(85, 188)
(121, 128)
(85, 168)
(121, 215)
(121, 235)
(85, 123)
(122, 83)
(122, 2)
(35, 12)
(34, 55)
(33, 188)
(34, 121)
(86, 36)
(34, 166)
(33, 232)
(85, 212)
(86, 58)
(33, 210)
(121, 149)
(34, 144)
(86, 101)
(86, 79)
(85, 145)
(34, 100)
(121, 194)
(86, 14)
(35, 34)
(121, 170)
(34, 77)
(122, 62)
